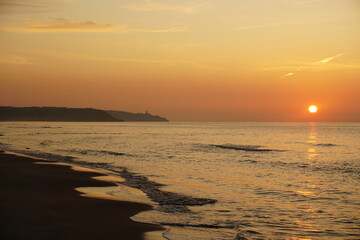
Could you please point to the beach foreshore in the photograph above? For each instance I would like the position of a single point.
(39, 200)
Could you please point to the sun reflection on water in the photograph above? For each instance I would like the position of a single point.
(307, 193)
(311, 154)
(312, 132)
(312, 139)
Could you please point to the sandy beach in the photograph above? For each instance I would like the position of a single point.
(39, 201)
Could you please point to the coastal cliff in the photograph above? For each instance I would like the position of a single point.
(136, 117)
(60, 114)
(63, 114)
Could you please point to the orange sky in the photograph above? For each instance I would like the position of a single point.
(199, 60)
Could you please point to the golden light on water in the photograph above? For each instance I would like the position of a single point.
(313, 109)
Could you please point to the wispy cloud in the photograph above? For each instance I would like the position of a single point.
(249, 27)
(163, 30)
(287, 75)
(30, 6)
(152, 6)
(313, 64)
(65, 25)
(327, 60)
(62, 25)
(194, 64)
(29, 2)
(155, 61)
(268, 25)
(15, 3)
(15, 60)
(304, 2)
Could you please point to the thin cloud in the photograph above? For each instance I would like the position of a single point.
(327, 60)
(30, 6)
(267, 25)
(65, 25)
(68, 55)
(62, 25)
(19, 4)
(155, 61)
(25, 3)
(164, 30)
(15, 60)
(287, 75)
(249, 27)
(152, 6)
(313, 65)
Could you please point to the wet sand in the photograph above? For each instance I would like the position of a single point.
(39, 201)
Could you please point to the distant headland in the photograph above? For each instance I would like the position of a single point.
(63, 114)
(136, 117)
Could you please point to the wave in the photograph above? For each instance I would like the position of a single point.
(35, 127)
(168, 201)
(247, 148)
(316, 144)
(71, 133)
(46, 143)
(326, 145)
(350, 170)
(94, 152)
(197, 225)
(86, 133)
(37, 154)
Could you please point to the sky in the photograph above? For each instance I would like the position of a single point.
(198, 60)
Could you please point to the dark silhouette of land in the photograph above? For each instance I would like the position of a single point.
(144, 117)
(63, 114)
(55, 114)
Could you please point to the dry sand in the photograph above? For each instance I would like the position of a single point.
(39, 201)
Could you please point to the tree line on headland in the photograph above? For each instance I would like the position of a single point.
(63, 114)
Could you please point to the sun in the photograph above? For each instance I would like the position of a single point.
(313, 109)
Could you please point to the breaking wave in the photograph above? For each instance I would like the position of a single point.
(326, 145)
(198, 225)
(94, 152)
(168, 201)
(46, 143)
(247, 148)
(32, 127)
(37, 154)
(71, 133)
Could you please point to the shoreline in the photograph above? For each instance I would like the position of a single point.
(39, 200)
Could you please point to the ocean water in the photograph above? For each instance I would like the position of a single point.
(219, 180)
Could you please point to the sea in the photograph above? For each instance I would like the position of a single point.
(223, 181)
